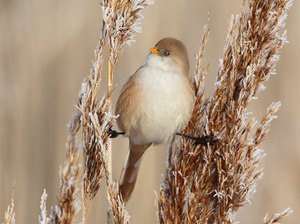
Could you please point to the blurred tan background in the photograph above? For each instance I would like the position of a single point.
(46, 48)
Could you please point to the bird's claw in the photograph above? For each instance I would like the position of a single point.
(206, 140)
(114, 133)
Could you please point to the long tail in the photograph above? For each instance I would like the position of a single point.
(130, 170)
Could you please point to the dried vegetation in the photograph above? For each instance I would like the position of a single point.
(202, 184)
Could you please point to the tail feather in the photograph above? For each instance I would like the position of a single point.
(130, 170)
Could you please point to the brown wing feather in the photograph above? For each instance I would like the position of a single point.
(126, 106)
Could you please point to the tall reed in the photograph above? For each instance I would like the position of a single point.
(121, 20)
(208, 184)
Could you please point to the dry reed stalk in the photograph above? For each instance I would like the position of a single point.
(87, 105)
(208, 184)
(276, 218)
(43, 218)
(120, 22)
(9, 216)
(68, 203)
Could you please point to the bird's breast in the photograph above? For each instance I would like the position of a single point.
(165, 105)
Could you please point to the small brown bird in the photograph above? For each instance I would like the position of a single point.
(155, 103)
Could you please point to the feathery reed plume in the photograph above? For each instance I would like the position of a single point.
(9, 216)
(68, 202)
(118, 210)
(276, 218)
(43, 219)
(88, 104)
(208, 184)
(120, 22)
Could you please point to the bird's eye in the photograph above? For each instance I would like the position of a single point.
(167, 53)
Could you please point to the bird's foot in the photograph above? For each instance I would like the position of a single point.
(114, 133)
(203, 140)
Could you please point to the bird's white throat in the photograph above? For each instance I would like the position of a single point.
(165, 64)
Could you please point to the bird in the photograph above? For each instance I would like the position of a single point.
(154, 103)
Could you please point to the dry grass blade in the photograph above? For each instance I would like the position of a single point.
(43, 219)
(276, 218)
(209, 184)
(67, 207)
(9, 216)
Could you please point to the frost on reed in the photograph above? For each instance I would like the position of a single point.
(121, 19)
(208, 184)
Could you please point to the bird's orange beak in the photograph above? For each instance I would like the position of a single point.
(154, 51)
